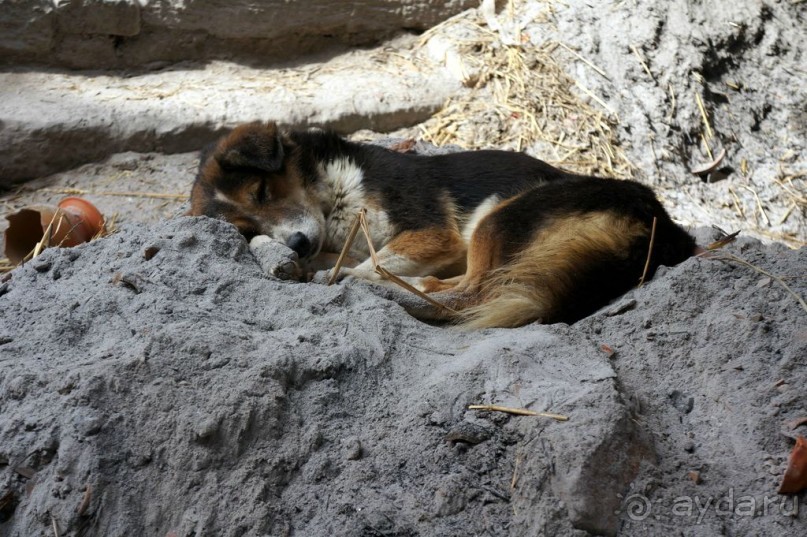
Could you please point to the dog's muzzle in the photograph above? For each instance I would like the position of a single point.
(300, 244)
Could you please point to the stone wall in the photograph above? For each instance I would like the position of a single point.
(104, 34)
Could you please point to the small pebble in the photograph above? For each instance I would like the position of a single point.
(42, 266)
(352, 448)
(469, 433)
(187, 240)
(150, 252)
(206, 429)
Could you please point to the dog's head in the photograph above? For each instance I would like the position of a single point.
(252, 178)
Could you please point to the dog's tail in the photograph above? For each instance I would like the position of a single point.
(528, 290)
(570, 269)
(511, 305)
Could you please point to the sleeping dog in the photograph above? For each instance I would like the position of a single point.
(500, 238)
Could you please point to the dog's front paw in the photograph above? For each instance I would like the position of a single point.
(322, 277)
(358, 274)
(326, 276)
(275, 258)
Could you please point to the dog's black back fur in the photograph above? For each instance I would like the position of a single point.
(611, 273)
(412, 187)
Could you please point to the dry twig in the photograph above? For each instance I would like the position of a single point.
(518, 411)
(85, 501)
(135, 194)
(361, 223)
(649, 252)
(642, 61)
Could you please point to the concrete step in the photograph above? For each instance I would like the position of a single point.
(54, 121)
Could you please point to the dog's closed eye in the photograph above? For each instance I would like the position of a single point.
(262, 192)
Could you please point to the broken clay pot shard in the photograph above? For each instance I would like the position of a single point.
(795, 479)
(73, 222)
(86, 217)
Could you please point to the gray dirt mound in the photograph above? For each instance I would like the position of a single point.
(156, 381)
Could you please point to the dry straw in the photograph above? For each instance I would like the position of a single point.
(125, 194)
(519, 97)
(518, 411)
(361, 223)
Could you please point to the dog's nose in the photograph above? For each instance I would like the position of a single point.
(299, 243)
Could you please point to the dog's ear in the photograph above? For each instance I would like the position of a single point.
(205, 155)
(256, 145)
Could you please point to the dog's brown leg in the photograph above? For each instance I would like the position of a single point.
(563, 264)
(430, 284)
(485, 254)
(415, 253)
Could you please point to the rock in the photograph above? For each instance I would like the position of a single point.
(469, 433)
(352, 448)
(120, 18)
(26, 29)
(585, 472)
(106, 34)
(275, 258)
